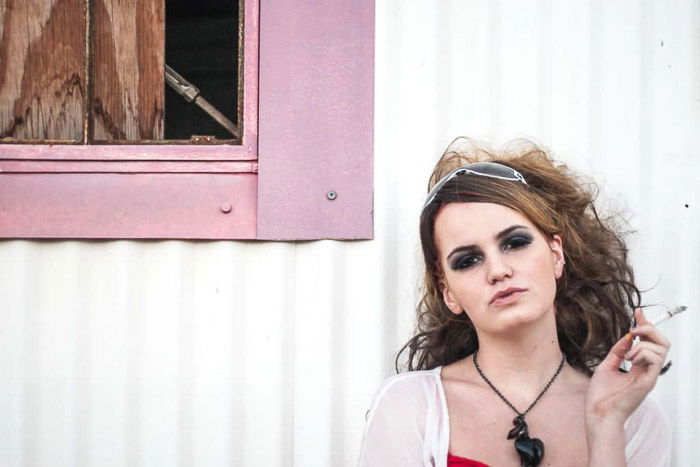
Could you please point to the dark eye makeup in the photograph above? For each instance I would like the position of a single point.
(471, 256)
(465, 261)
(517, 240)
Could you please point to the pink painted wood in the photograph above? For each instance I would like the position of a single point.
(186, 206)
(120, 152)
(22, 166)
(316, 119)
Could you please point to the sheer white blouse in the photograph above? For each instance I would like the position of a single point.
(408, 426)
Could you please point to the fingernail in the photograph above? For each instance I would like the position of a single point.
(628, 336)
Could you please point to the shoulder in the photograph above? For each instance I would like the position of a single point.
(408, 396)
(411, 384)
(407, 422)
(648, 436)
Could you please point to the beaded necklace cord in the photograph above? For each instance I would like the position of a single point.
(530, 450)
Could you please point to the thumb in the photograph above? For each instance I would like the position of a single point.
(617, 353)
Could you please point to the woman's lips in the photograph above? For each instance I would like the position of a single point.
(507, 296)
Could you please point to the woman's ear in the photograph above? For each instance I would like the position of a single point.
(557, 247)
(449, 299)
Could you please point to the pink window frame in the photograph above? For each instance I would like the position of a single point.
(303, 170)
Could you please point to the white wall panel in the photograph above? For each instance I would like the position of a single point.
(267, 354)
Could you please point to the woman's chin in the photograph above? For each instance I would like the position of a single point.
(520, 319)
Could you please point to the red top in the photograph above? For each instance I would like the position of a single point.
(455, 461)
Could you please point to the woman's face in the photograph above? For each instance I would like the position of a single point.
(497, 266)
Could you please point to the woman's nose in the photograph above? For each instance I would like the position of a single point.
(498, 269)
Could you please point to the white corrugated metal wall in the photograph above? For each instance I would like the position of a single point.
(267, 354)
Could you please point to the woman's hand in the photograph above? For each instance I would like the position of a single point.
(612, 395)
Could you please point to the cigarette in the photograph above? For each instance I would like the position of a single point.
(670, 314)
(626, 364)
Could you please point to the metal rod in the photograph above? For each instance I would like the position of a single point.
(191, 93)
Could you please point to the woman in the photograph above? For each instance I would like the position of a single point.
(524, 323)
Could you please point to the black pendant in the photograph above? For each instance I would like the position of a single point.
(530, 450)
(520, 428)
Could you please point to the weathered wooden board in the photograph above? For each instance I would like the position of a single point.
(129, 48)
(42, 76)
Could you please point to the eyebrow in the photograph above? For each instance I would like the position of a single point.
(499, 236)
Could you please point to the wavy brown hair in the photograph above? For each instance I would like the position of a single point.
(595, 295)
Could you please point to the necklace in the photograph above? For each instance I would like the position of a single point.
(530, 450)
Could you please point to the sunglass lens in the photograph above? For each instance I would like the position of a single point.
(494, 170)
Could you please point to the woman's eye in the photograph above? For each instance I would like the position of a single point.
(465, 262)
(516, 241)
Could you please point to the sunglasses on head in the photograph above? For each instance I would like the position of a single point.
(482, 169)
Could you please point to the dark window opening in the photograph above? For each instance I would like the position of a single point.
(201, 45)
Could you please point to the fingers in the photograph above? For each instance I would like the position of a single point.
(640, 317)
(646, 331)
(617, 353)
(650, 350)
(652, 347)
(646, 353)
